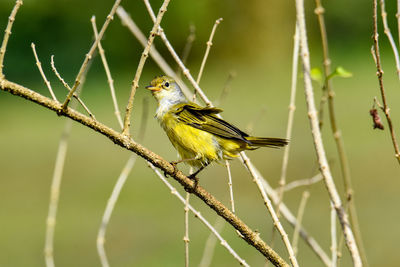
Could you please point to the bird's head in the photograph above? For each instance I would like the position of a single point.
(165, 88)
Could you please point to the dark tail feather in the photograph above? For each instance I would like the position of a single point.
(267, 141)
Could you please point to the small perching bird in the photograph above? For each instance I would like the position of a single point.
(196, 132)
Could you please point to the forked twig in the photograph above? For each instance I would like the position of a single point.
(39, 65)
(7, 34)
(108, 73)
(143, 58)
(303, 182)
(209, 248)
(89, 55)
(53, 67)
(379, 73)
(316, 133)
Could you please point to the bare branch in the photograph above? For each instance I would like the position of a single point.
(39, 65)
(108, 73)
(209, 44)
(316, 133)
(300, 214)
(379, 73)
(143, 58)
(209, 248)
(249, 235)
(69, 88)
(7, 34)
(90, 54)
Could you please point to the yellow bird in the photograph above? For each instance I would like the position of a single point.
(199, 136)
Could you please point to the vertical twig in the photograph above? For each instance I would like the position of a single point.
(300, 214)
(89, 55)
(203, 63)
(344, 164)
(292, 108)
(143, 58)
(379, 73)
(108, 73)
(100, 241)
(390, 37)
(398, 19)
(7, 34)
(39, 65)
(228, 168)
(54, 195)
(334, 247)
(316, 133)
(186, 237)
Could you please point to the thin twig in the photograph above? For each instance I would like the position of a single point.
(292, 108)
(200, 217)
(188, 46)
(316, 133)
(143, 58)
(379, 73)
(186, 237)
(398, 19)
(39, 65)
(209, 248)
(108, 73)
(66, 85)
(7, 34)
(303, 182)
(100, 241)
(267, 202)
(334, 247)
(158, 59)
(287, 214)
(390, 37)
(300, 214)
(228, 168)
(226, 89)
(89, 55)
(56, 185)
(54, 195)
(344, 164)
(203, 63)
(185, 70)
(127, 21)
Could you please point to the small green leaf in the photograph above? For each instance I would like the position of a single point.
(340, 72)
(316, 75)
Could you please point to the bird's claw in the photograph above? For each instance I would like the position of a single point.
(196, 182)
(173, 163)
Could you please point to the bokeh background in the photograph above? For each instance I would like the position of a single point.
(255, 42)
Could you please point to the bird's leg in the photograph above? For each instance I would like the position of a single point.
(176, 162)
(194, 178)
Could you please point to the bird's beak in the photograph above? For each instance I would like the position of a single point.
(153, 88)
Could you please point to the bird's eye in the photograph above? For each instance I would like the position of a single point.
(166, 84)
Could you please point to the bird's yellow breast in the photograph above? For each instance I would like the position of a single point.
(190, 142)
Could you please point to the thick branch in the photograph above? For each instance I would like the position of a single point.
(249, 235)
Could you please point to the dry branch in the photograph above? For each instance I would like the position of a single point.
(317, 138)
(249, 235)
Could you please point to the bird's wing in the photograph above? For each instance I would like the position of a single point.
(205, 119)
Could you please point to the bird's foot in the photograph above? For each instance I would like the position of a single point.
(173, 163)
(196, 182)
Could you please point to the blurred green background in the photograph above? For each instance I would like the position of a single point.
(146, 229)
